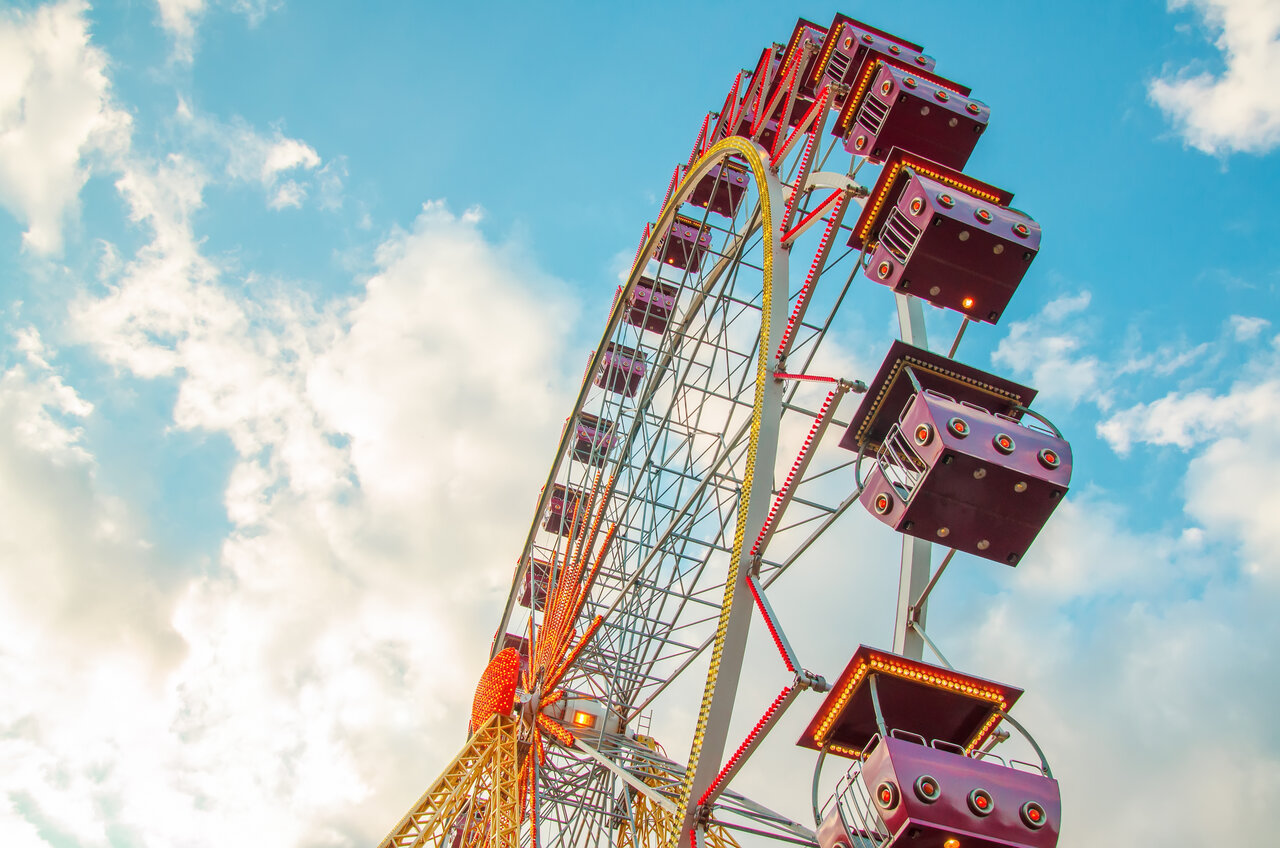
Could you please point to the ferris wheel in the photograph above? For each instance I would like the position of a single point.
(709, 448)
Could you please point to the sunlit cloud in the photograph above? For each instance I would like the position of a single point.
(57, 118)
(1238, 109)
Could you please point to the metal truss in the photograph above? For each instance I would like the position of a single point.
(712, 481)
(672, 486)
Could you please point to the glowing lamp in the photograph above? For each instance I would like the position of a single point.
(981, 802)
(967, 303)
(951, 843)
(584, 719)
(1033, 815)
(496, 691)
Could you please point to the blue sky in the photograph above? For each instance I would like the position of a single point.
(296, 295)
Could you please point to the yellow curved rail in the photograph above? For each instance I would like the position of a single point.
(754, 158)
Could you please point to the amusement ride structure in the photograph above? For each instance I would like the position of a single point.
(692, 473)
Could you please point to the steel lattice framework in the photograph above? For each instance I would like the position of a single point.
(652, 547)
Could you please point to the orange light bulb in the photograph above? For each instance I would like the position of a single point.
(967, 303)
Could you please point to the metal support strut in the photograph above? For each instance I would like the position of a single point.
(914, 573)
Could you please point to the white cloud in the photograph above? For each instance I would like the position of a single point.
(1187, 419)
(1066, 306)
(1238, 110)
(1165, 360)
(1052, 355)
(180, 18)
(284, 167)
(41, 408)
(270, 697)
(285, 154)
(1117, 685)
(442, 338)
(1246, 328)
(288, 194)
(335, 620)
(1231, 489)
(1129, 642)
(56, 114)
(84, 635)
(1234, 437)
(330, 179)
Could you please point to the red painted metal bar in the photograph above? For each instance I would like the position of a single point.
(783, 90)
(700, 145)
(795, 231)
(767, 614)
(671, 186)
(810, 378)
(735, 762)
(640, 248)
(810, 119)
(819, 260)
(731, 114)
(758, 83)
(803, 173)
(811, 440)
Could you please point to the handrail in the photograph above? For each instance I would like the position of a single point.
(1037, 416)
(949, 747)
(896, 733)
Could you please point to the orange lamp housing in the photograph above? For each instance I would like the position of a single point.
(496, 691)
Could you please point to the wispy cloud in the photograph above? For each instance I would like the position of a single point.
(286, 168)
(1233, 437)
(1051, 351)
(1248, 327)
(181, 18)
